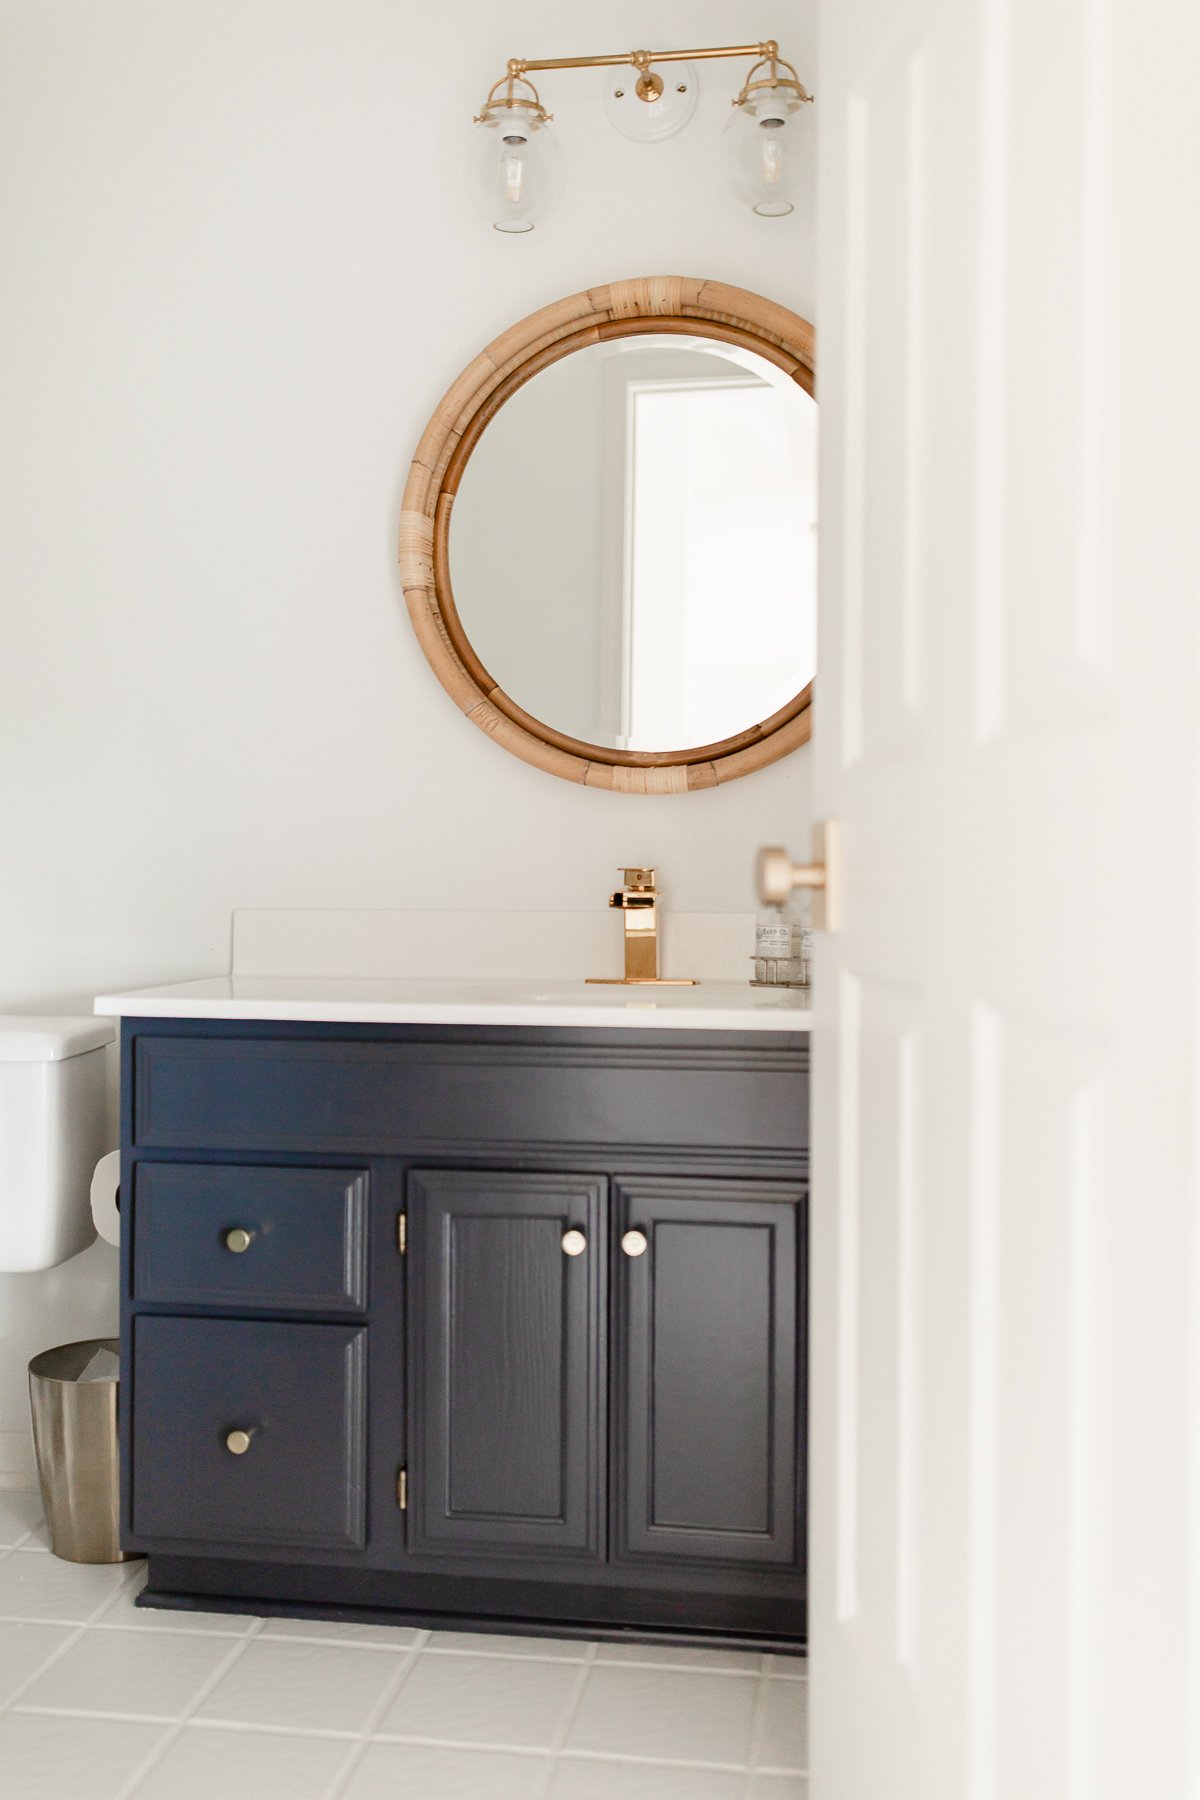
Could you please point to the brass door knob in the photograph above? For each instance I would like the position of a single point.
(238, 1240)
(238, 1442)
(574, 1243)
(635, 1243)
(777, 876)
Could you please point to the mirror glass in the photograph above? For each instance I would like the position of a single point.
(633, 544)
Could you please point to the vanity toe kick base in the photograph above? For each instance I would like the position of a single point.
(503, 1328)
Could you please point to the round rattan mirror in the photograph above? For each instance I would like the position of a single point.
(623, 488)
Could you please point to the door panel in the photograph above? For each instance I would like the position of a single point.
(707, 1370)
(507, 1349)
(1004, 1133)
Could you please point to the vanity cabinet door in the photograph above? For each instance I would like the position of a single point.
(507, 1292)
(708, 1369)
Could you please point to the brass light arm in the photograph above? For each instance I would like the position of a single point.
(519, 65)
(649, 85)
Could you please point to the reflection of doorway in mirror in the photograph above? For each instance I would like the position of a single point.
(719, 555)
(633, 543)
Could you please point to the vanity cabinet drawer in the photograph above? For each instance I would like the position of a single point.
(432, 1098)
(268, 1239)
(295, 1394)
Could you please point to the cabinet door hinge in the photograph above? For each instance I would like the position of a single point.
(402, 1490)
(402, 1233)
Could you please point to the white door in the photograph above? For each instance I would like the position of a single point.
(1006, 1405)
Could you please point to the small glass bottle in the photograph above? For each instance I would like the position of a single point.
(798, 913)
(802, 942)
(774, 939)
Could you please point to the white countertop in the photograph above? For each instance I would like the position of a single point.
(409, 1000)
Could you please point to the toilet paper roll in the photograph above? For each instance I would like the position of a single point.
(105, 1187)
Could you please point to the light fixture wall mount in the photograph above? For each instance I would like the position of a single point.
(515, 155)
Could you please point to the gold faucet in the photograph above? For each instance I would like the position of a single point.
(638, 902)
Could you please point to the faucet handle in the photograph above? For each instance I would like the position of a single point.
(639, 879)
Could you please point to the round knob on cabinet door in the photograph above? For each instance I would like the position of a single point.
(238, 1442)
(238, 1240)
(574, 1243)
(634, 1243)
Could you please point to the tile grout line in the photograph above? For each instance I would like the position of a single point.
(757, 1726)
(643, 1759)
(176, 1728)
(262, 1728)
(517, 1656)
(696, 1765)
(680, 1668)
(79, 1627)
(569, 1712)
(604, 1662)
(165, 1720)
(26, 1540)
(10, 1705)
(547, 1753)
(322, 1643)
(555, 1754)
(355, 1754)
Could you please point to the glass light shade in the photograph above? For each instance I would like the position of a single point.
(759, 150)
(515, 168)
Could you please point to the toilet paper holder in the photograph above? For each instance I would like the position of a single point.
(106, 1197)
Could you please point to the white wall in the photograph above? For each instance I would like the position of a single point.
(240, 270)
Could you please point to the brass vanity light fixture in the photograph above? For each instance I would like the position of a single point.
(517, 166)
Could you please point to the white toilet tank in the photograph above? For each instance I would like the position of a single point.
(53, 1131)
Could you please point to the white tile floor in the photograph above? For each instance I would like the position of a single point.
(99, 1701)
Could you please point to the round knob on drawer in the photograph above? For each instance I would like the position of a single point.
(634, 1243)
(574, 1243)
(238, 1442)
(238, 1240)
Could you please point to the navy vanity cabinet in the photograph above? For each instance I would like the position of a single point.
(507, 1286)
(398, 1260)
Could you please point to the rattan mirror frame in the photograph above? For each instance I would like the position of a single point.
(622, 308)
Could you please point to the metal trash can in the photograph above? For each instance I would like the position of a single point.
(73, 1398)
